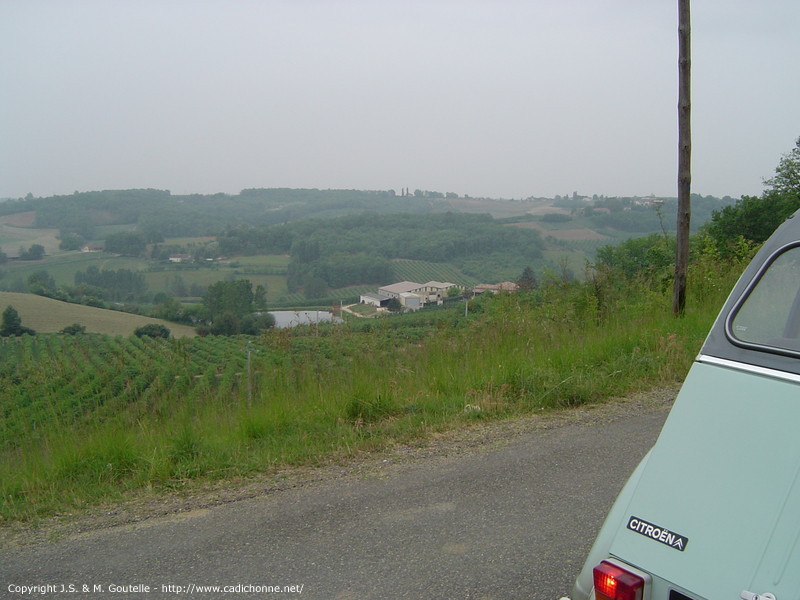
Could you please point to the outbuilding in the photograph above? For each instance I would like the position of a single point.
(377, 300)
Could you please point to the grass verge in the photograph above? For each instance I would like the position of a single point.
(329, 393)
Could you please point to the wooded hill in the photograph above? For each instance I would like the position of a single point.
(160, 212)
(337, 240)
(358, 249)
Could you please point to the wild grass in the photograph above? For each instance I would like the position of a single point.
(331, 392)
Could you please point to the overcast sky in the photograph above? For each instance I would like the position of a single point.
(496, 98)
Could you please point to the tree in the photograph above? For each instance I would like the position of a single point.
(260, 297)
(315, 287)
(121, 284)
(177, 286)
(128, 243)
(394, 305)
(12, 324)
(255, 324)
(527, 281)
(228, 308)
(74, 329)
(71, 241)
(35, 252)
(787, 173)
(41, 283)
(153, 330)
(754, 218)
(225, 323)
(650, 256)
(170, 309)
(235, 297)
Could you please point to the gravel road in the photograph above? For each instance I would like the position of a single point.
(498, 511)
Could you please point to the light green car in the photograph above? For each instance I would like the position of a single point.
(713, 510)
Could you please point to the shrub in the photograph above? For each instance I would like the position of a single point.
(12, 324)
(154, 330)
(74, 329)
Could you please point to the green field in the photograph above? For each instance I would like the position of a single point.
(62, 266)
(268, 271)
(45, 315)
(12, 237)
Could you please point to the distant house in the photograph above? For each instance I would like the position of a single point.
(436, 291)
(506, 286)
(180, 258)
(404, 287)
(648, 201)
(91, 247)
(411, 301)
(433, 291)
(377, 300)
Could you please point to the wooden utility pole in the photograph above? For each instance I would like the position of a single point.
(684, 157)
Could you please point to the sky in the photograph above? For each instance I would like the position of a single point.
(493, 98)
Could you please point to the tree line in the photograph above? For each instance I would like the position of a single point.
(163, 214)
(358, 249)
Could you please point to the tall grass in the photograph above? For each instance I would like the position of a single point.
(329, 393)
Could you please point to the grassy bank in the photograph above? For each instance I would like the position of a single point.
(314, 394)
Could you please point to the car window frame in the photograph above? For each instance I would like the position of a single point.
(794, 311)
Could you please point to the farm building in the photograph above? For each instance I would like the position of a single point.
(411, 301)
(436, 291)
(394, 290)
(433, 291)
(506, 286)
(374, 299)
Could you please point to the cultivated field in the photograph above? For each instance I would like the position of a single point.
(571, 235)
(45, 315)
(15, 232)
(422, 272)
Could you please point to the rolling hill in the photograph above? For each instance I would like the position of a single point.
(45, 315)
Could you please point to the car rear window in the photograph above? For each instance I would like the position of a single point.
(768, 315)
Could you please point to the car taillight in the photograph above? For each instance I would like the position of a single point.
(614, 583)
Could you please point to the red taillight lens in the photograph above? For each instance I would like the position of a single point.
(613, 583)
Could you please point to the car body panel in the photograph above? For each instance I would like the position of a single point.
(723, 474)
(616, 518)
(714, 508)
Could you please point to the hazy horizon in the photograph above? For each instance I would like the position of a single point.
(506, 99)
(397, 192)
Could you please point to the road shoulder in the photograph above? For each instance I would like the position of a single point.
(480, 437)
